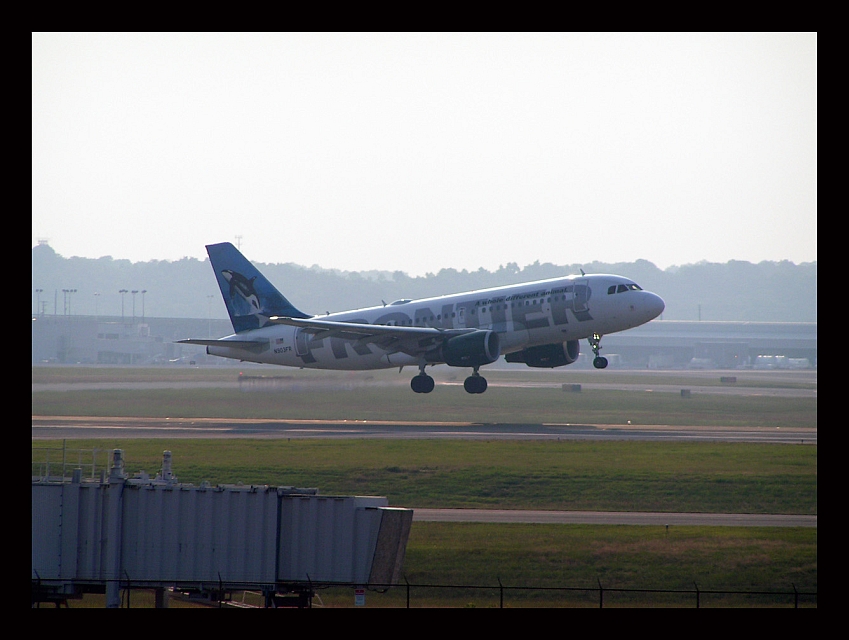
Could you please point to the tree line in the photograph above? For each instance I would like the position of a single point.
(732, 291)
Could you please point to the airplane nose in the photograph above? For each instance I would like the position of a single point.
(654, 305)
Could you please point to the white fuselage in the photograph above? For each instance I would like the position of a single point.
(523, 315)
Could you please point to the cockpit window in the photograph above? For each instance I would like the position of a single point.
(622, 288)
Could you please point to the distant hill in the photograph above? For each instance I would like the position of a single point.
(733, 291)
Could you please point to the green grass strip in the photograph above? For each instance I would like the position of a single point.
(558, 475)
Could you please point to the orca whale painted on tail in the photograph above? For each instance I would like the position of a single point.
(250, 298)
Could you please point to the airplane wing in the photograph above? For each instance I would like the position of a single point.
(410, 340)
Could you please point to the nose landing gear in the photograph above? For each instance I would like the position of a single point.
(599, 362)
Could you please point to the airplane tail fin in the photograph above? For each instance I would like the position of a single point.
(250, 298)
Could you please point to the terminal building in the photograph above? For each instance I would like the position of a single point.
(657, 345)
(715, 345)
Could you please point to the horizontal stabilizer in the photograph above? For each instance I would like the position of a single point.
(238, 344)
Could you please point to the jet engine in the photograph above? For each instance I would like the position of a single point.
(468, 350)
(547, 355)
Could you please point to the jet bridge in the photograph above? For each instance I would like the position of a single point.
(112, 533)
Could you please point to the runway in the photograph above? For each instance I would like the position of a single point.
(86, 427)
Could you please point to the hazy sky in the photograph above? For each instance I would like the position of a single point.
(416, 152)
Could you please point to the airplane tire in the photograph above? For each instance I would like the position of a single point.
(475, 384)
(600, 362)
(422, 384)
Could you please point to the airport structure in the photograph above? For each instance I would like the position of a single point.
(716, 345)
(656, 345)
(105, 534)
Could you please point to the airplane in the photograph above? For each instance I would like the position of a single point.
(536, 323)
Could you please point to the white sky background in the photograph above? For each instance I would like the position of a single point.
(417, 152)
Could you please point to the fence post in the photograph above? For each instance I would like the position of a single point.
(408, 591)
(698, 597)
(600, 595)
(501, 594)
(38, 583)
(795, 597)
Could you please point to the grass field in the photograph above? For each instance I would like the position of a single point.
(545, 565)
(563, 566)
(641, 476)
(565, 475)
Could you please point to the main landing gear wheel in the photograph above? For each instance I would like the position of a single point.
(599, 362)
(475, 383)
(422, 383)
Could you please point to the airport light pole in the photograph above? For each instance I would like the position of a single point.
(67, 300)
(38, 293)
(122, 292)
(134, 292)
(143, 291)
(209, 316)
(96, 301)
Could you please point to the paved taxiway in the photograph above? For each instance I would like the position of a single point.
(82, 427)
(614, 517)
